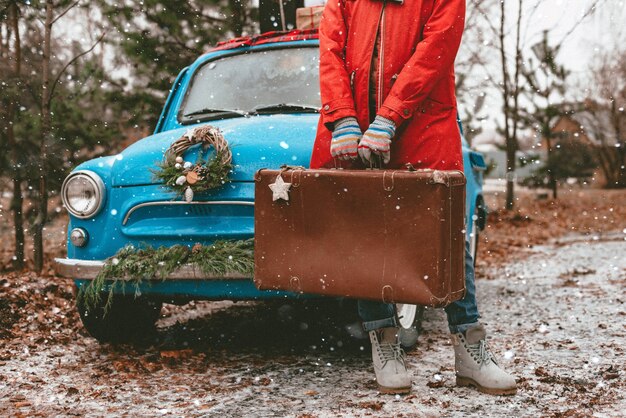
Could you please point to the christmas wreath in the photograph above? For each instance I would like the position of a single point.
(187, 178)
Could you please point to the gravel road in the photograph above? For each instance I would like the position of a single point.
(557, 320)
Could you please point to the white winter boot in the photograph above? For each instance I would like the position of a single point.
(389, 361)
(475, 365)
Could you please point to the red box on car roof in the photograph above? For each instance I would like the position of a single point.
(266, 38)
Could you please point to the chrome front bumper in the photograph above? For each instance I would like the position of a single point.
(89, 269)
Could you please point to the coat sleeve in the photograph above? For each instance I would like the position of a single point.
(433, 57)
(336, 94)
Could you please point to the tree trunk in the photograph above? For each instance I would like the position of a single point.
(42, 204)
(601, 152)
(3, 47)
(17, 201)
(550, 163)
(511, 116)
(512, 145)
(510, 176)
(613, 164)
(621, 154)
(238, 19)
(617, 120)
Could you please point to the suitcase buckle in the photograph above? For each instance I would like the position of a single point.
(295, 182)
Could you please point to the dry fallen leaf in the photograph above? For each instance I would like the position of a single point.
(436, 383)
(177, 354)
(373, 405)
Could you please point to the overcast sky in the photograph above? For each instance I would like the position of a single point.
(606, 26)
(563, 18)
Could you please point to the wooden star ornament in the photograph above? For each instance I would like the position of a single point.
(280, 189)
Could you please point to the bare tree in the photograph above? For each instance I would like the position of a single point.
(607, 126)
(484, 27)
(510, 95)
(471, 61)
(510, 29)
(14, 55)
(47, 96)
(42, 204)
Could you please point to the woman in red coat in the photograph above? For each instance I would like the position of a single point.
(387, 87)
(408, 79)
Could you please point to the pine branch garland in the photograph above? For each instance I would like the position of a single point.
(132, 266)
(135, 266)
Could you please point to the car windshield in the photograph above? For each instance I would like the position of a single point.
(274, 80)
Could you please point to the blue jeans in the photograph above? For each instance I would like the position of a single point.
(462, 314)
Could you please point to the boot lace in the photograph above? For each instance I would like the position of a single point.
(392, 352)
(480, 352)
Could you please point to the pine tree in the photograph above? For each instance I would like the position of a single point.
(80, 115)
(158, 38)
(547, 82)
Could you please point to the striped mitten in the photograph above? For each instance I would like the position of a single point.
(377, 140)
(345, 139)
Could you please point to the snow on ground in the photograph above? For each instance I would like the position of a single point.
(557, 320)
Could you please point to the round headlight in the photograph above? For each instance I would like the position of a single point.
(83, 193)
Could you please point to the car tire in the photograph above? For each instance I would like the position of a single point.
(128, 319)
(410, 322)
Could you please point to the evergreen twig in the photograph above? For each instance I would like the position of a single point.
(136, 266)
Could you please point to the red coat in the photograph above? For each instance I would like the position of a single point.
(414, 74)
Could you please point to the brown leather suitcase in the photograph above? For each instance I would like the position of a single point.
(393, 236)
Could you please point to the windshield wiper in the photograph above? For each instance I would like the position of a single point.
(214, 111)
(288, 107)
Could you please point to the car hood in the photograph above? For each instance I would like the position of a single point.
(256, 142)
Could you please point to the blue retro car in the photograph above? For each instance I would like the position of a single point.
(262, 93)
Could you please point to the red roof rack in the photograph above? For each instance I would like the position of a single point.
(266, 38)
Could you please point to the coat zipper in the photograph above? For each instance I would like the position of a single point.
(381, 60)
(369, 73)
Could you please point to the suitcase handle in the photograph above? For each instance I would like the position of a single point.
(376, 163)
(295, 182)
